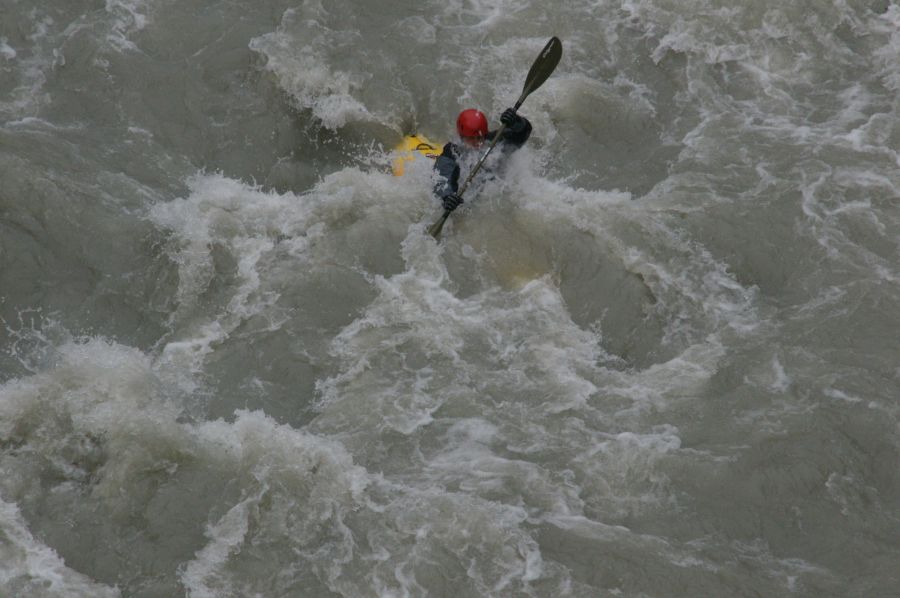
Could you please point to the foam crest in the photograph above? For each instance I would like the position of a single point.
(30, 568)
(888, 24)
(326, 524)
(297, 53)
(583, 208)
(96, 389)
(695, 291)
(236, 245)
(517, 410)
(421, 352)
(416, 319)
(28, 69)
(7, 51)
(248, 224)
(100, 422)
(621, 473)
(845, 213)
(128, 18)
(295, 488)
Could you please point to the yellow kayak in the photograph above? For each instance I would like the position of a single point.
(412, 147)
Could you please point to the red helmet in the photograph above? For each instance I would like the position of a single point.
(472, 124)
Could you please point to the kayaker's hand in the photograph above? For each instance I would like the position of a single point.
(509, 116)
(451, 201)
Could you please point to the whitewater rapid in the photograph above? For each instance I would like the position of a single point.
(658, 356)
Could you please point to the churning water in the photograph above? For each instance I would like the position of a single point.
(659, 356)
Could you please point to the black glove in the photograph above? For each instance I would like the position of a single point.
(451, 201)
(509, 116)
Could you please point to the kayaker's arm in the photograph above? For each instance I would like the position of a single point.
(517, 131)
(447, 169)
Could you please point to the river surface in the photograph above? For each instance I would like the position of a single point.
(657, 354)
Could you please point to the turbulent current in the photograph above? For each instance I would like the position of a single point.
(657, 354)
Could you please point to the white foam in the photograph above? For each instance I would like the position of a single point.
(28, 567)
(840, 395)
(26, 98)
(480, 411)
(782, 381)
(261, 231)
(888, 24)
(6, 51)
(128, 18)
(697, 293)
(416, 311)
(297, 55)
(417, 28)
(112, 394)
(835, 219)
(227, 535)
(301, 475)
(241, 218)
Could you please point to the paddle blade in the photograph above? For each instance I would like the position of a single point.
(542, 68)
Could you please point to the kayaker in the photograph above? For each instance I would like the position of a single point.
(472, 127)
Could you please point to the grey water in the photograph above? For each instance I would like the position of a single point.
(658, 356)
